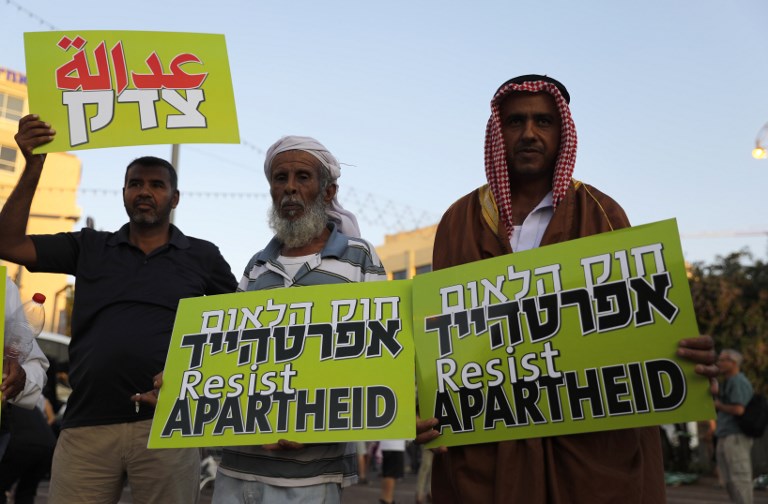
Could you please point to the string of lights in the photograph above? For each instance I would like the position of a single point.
(369, 208)
(256, 148)
(6, 188)
(244, 166)
(31, 14)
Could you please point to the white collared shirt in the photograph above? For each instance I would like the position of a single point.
(529, 234)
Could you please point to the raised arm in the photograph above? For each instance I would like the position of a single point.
(15, 244)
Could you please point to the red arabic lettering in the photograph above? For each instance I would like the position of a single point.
(76, 74)
(84, 87)
(176, 79)
(118, 63)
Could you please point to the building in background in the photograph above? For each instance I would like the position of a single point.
(54, 208)
(408, 254)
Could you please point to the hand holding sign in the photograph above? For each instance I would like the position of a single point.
(700, 350)
(106, 89)
(284, 444)
(150, 397)
(32, 134)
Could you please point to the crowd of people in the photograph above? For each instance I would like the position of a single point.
(128, 283)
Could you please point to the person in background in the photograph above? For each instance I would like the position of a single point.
(734, 448)
(392, 468)
(21, 384)
(362, 462)
(424, 477)
(27, 459)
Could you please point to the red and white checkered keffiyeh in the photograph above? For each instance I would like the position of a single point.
(496, 152)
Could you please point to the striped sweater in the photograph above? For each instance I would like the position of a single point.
(343, 259)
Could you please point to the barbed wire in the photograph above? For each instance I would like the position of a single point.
(391, 215)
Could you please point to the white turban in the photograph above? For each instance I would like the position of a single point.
(344, 219)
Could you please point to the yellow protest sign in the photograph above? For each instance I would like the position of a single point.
(327, 363)
(3, 273)
(574, 337)
(114, 88)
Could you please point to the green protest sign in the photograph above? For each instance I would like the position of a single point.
(328, 363)
(573, 337)
(114, 88)
(4, 274)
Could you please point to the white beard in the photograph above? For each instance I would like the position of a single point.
(299, 232)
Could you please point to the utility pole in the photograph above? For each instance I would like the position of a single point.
(175, 163)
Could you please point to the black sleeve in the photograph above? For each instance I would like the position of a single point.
(56, 253)
(221, 279)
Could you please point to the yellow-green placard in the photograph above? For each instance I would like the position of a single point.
(3, 273)
(115, 88)
(327, 363)
(573, 337)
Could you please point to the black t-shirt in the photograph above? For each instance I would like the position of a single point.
(123, 313)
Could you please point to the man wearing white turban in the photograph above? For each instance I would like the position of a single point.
(345, 219)
(316, 242)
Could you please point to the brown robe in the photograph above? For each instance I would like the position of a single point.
(619, 466)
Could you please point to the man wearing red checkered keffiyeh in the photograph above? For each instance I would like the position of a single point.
(531, 200)
(529, 137)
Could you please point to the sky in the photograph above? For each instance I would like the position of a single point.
(667, 98)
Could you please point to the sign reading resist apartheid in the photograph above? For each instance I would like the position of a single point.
(327, 363)
(573, 337)
(568, 338)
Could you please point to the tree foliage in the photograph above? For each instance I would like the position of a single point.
(730, 298)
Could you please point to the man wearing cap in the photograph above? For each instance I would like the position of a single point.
(316, 242)
(530, 201)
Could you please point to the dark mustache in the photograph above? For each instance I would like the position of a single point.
(139, 201)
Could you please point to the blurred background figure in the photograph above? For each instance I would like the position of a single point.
(424, 477)
(362, 462)
(734, 448)
(27, 459)
(392, 467)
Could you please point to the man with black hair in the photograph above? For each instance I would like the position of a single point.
(127, 287)
(531, 200)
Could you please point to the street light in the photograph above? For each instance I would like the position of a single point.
(761, 143)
